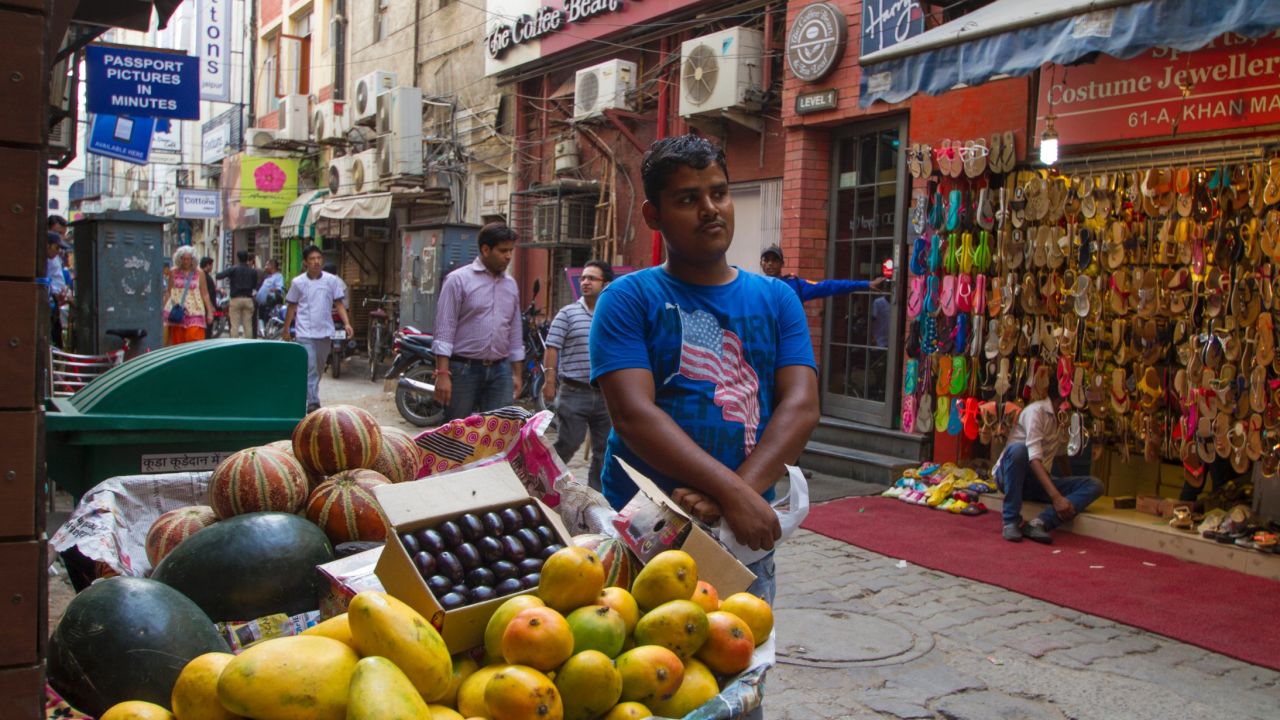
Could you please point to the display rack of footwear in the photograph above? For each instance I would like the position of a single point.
(1146, 293)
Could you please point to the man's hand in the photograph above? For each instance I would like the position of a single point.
(444, 389)
(752, 521)
(350, 330)
(877, 283)
(697, 504)
(1064, 508)
(285, 336)
(548, 389)
(517, 384)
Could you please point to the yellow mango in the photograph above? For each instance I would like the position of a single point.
(136, 710)
(195, 693)
(670, 575)
(498, 624)
(441, 712)
(463, 666)
(628, 711)
(336, 627)
(589, 685)
(679, 626)
(303, 677)
(384, 626)
(471, 693)
(697, 687)
(380, 691)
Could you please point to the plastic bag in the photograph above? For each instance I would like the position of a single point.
(797, 499)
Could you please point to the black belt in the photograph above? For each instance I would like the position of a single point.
(576, 384)
(473, 361)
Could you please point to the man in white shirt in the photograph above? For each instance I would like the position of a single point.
(313, 297)
(1022, 471)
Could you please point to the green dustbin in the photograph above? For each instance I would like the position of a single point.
(180, 408)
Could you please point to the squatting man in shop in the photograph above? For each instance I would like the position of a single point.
(707, 370)
(313, 298)
(568, 370)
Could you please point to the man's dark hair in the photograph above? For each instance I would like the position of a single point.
(273, 263)
(206, 262)
(56, 220)
(243, 256)
(313, 248)
(495, 233)
(666, 155)
(605, 269)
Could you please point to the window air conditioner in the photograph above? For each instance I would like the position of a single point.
(295, 118)
(564, 221)
(721, 71)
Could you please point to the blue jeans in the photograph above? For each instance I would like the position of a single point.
(479, 388)
(578, 409)
(766, 584)
(1016, 480)
(317, 353)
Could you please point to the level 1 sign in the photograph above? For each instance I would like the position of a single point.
(141, 83)
(817, 101)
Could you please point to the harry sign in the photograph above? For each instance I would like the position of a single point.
(141, 83)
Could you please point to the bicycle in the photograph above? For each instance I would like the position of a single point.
(380, 335)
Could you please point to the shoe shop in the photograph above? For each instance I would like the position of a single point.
(1089, 200)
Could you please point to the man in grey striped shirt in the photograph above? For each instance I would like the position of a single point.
(568, 369)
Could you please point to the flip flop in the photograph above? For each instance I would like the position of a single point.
(975, 162)
(920, 256)
(915, 298)
(941, 414)
(954, 423)
(931, 295)
(911, 373)
(948, 299)
(959, 374)
(980, 294)
(943, 385)
(924, 414)
(970, 418)
(964, 293)
(909, 412)
(985, 216)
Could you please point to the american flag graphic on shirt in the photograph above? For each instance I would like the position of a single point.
(712, 354)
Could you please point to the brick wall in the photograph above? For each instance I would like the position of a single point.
(269, 11)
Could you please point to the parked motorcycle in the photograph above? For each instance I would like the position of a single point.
(342, 347)
(414, 363)
(221, 325)
(270, 317)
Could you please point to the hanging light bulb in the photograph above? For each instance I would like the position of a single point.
(1049, 143)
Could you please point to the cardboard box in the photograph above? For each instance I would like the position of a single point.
(652, 522)
(427, 502)
(345, 577)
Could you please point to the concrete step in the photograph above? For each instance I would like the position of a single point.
(847, 462)
(846, 433)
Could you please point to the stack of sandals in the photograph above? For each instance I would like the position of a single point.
(942, 487)
(1237, 526)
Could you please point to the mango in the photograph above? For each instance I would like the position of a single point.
(443, 712)
(679, 626)
(381, 691)
(670, 575)
(471, 692)
(597, 627)
(729, 644)
(303, 677)
(538, 637)
(136, 710)
(649, 673)
(336, 627)
(498, 624)
(706, 596)
(754, 611)
(384, 626)
(519, 692)
(589, 684)
(697, 687)
(571, 577)
(624, 603)
(463, 666)
(195, 693)
(628, 711)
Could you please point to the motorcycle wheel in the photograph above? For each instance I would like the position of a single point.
(271, 330)
(421, 409)
(335, 365)
(221, 327)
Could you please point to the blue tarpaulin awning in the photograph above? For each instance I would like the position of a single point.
(1011, 38)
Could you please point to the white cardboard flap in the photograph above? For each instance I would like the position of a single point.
(439, 496)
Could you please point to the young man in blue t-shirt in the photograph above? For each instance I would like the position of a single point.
(707, 369)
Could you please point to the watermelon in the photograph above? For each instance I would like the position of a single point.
(620, 567)
(249, 566)
(126, 638)
(337, 438)
(257, 479)
(344, 507)
(171, 528)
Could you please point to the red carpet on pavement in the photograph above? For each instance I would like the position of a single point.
(1220, 610)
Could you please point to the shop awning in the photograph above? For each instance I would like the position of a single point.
(1015, 37)
(357, 207)
(300, 217)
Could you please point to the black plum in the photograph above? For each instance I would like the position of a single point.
(508, 586)
(531, 580)
(493, 524)
(512, 549)
(452, 600)
(468, 554)
(531, 515)
(550, 550)
(439, 585)
(450, 566)
(504, 570)
(547, 535)
(480, 593)
(461, 589)
(532, 543)
(529, 565)
(426, 563)
(472, 527)
(451, 531)
(410, 543)
(490, 548)
(429, 539)
(481, 576)
(511, 519)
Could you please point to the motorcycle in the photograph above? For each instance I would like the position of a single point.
(221, 325)
(414, 363)
(535, 348)
(342, 347)
(271, 315)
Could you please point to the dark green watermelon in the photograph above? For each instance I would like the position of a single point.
(126, 638)
(249, 566)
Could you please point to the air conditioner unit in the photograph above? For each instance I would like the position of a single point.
(721, 71)
(365, 98)
(399, 126)
(258, 142)
(60, 135)
(329, 121)
(295, 118)
(364, 172)
(571, 221)
(340, 178)
(602, 87)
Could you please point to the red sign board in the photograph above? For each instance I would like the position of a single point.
(1232, 83)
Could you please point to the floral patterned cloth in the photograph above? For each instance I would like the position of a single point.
(55, 708)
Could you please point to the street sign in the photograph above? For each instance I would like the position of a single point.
(122, 138)
(199, 204)
(141, 83)
(215, 51)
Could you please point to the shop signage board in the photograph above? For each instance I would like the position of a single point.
(214, 38)
(1232, 83)
(199, 204)
(122, 138)
(270, 183)
(817, 101)
(886, 23)
(816, 41)
(543, 21)
(214, 142)
(137, 83)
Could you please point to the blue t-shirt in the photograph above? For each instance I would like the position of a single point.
(714, 352)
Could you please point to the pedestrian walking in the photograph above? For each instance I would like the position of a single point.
(313, 298)
(707, 370)
(579, 406)
(478, 342)
(188, 308)
(241, 279)
(56, 280)
(206, 267)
